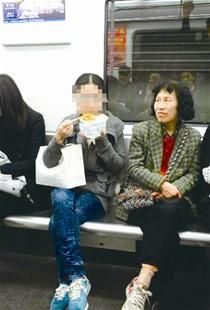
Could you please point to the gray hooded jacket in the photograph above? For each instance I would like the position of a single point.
(103, 161)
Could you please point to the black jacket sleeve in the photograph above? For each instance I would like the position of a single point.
(205, 149)
(36, 138)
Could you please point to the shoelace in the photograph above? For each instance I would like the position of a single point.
(139, 297)
(61, 291)
(75, 289)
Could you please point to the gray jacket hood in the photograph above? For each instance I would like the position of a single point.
(114, 126)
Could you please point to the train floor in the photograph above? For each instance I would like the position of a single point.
(27, 282)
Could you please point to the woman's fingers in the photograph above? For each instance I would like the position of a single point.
(64, 130)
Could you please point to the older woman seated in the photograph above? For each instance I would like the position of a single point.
(163, 157)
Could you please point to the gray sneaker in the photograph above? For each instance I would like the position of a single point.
(60, 299)
(137, 297)
(78, 294)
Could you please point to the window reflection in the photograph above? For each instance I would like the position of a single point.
(165, 40)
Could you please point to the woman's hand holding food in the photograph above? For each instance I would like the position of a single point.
(64, 130)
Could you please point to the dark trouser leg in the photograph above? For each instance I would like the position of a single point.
(160, 225)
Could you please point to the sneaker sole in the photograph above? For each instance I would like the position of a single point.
(87, 305)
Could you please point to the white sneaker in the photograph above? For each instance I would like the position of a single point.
(137, 297)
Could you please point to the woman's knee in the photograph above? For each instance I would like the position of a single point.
(62, 198)
(168, 212)
(59, 195)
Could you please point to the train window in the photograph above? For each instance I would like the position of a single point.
(150, 40)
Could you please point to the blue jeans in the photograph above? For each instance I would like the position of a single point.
(71, 208)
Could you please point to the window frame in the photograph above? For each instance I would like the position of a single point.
(199, 126)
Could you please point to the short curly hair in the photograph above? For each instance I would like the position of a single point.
(184, 98)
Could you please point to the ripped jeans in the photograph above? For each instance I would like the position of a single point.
(71, 208)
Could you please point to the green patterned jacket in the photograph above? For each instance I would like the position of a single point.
(145, 157)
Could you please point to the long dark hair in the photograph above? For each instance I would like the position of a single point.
(184, 98)
(13, 109)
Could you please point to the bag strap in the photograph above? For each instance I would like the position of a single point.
(178, 152)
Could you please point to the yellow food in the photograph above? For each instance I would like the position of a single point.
(87, 117)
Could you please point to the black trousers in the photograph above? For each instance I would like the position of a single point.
(10, 205)
(160, 225)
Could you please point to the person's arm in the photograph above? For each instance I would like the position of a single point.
(26, 165)
(190, 179)
(53, 154)
(114, 158)
(136, 166)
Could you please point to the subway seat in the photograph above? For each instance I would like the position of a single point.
(100, 229)
(108, 232)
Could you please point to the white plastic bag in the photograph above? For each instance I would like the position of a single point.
(206, 174)
(69, 172)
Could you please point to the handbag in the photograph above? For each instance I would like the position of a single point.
(8, 184)
(133, 195)
(12, 186)
(68, 173)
